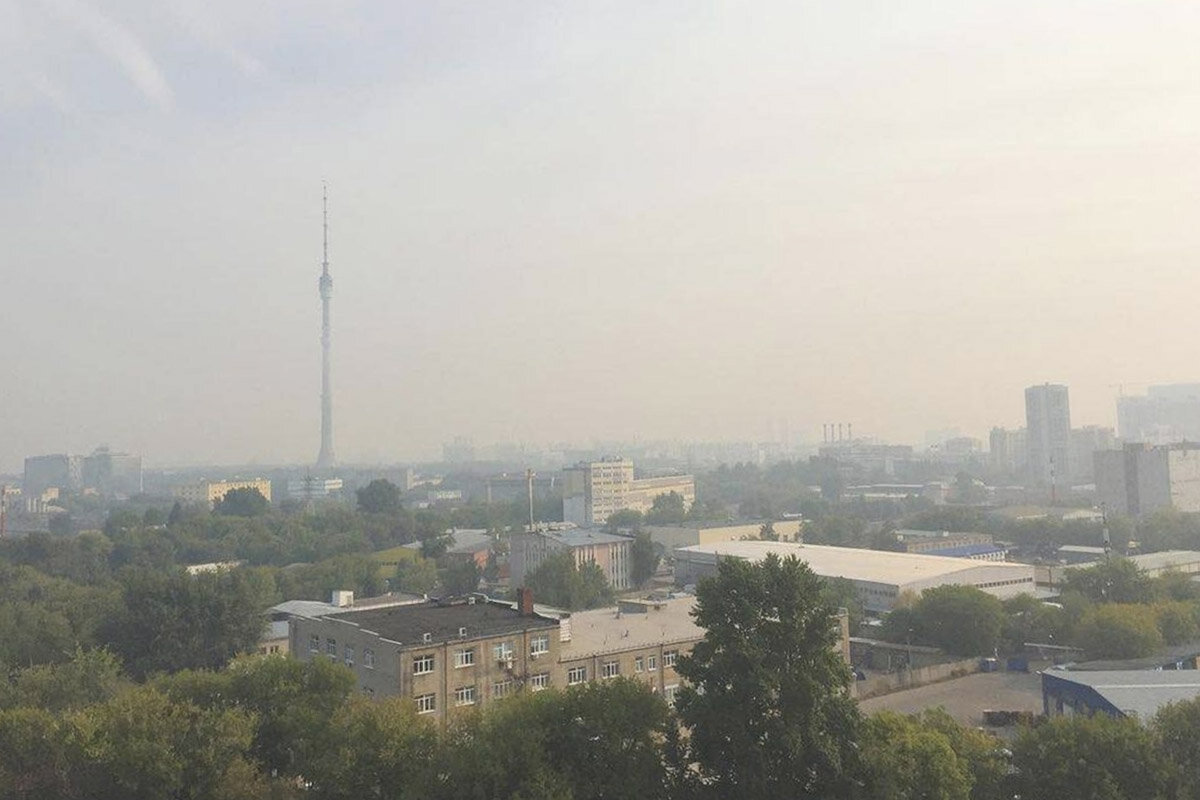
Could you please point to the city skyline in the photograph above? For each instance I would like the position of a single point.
(561, 230)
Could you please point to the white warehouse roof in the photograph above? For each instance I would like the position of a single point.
(874, 566)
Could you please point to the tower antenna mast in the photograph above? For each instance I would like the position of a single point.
(326, 458)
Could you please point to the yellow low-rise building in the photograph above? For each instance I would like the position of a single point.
(209, 493)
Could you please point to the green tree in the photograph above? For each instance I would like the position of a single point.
(1028, 619)
(1176, 726)
(767, 532)
(380, 496)
(903, 759)
(92, 676)
(766, 700)
(34, 764)
(461, 576)
(1116, 581)
(173, 621)
(1177, 622)
(1089, 758)
(558, 582)
(667, 509)
(959, 619)
(643, 559)
(378, 749)
(983, 754)
(625, 518)
(244, 502)
(841, 593)
(415, 575)
(1119, 630)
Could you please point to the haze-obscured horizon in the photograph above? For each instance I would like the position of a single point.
(592, 221)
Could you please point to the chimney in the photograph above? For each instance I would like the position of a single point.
(525, 601)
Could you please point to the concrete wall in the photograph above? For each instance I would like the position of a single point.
(907, 679)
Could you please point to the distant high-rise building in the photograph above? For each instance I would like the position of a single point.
(58, 471)
(1048, 427)
(1141, 478)
(112, 473)
(326, 458)
(1165, 414)
(1085, 442)
(1008, 449)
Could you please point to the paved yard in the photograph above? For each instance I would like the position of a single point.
(966, 698)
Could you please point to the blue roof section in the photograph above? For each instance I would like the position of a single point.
(1137, 693)
(966, 550)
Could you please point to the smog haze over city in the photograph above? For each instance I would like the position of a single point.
(585, 221)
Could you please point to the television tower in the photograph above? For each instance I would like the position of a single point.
(326, 459)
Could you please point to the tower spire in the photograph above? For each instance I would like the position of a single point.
(326, 458)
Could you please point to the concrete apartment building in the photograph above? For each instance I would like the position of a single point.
(607, 551)
(104, 471)
(208, 493)
(595, 490)
(1142, 478)
(446, 655)
(880, 577)
(1048, 431)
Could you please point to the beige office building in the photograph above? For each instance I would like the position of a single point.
(209, 493)
(595, 490)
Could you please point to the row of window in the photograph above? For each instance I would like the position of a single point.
(331, 649)
(465, 656)
(994, 584)
(468, 695)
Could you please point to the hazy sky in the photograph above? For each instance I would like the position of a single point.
(586, 220)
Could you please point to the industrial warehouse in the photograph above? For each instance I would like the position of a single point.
(880, 576)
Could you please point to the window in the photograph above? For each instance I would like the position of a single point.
(368, 658)
(669, 693)
(349, 654)
(669, 658)
(331, 648)
(502, 688)
(610, 669)
(651, 663)
(423, 665)
(639, 664)
(314, 644)
(576, 675)
(502, 651)
(539, 681)
(464, 657)
(539, 645)
(426, 703)
(464, 696)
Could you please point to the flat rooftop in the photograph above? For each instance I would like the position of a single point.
(603, 630)
(1166, 559)
(875, 566)
(578, 537)
(1142, 692)
(408, 624)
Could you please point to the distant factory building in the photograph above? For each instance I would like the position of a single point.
(607, 551)
(310, 488)
(595, 490)
(1138, 694)
(673, 536)
(880, 577)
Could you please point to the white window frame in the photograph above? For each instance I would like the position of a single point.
(639, 664)
(669, 658)
(669, 693)
(464, 658)
(348, 655)
(576, 675)
(314, 644)
(424, 664)
(465, 695)
(426, 703)
(502, 651)
(368, 658)
(539, 682)
(651, 663)
(539, 645)
(610, 669)
(502, 688)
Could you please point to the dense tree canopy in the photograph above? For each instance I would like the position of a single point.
(766, 700)
(244, 502)
(380, 496)
(558, 582)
